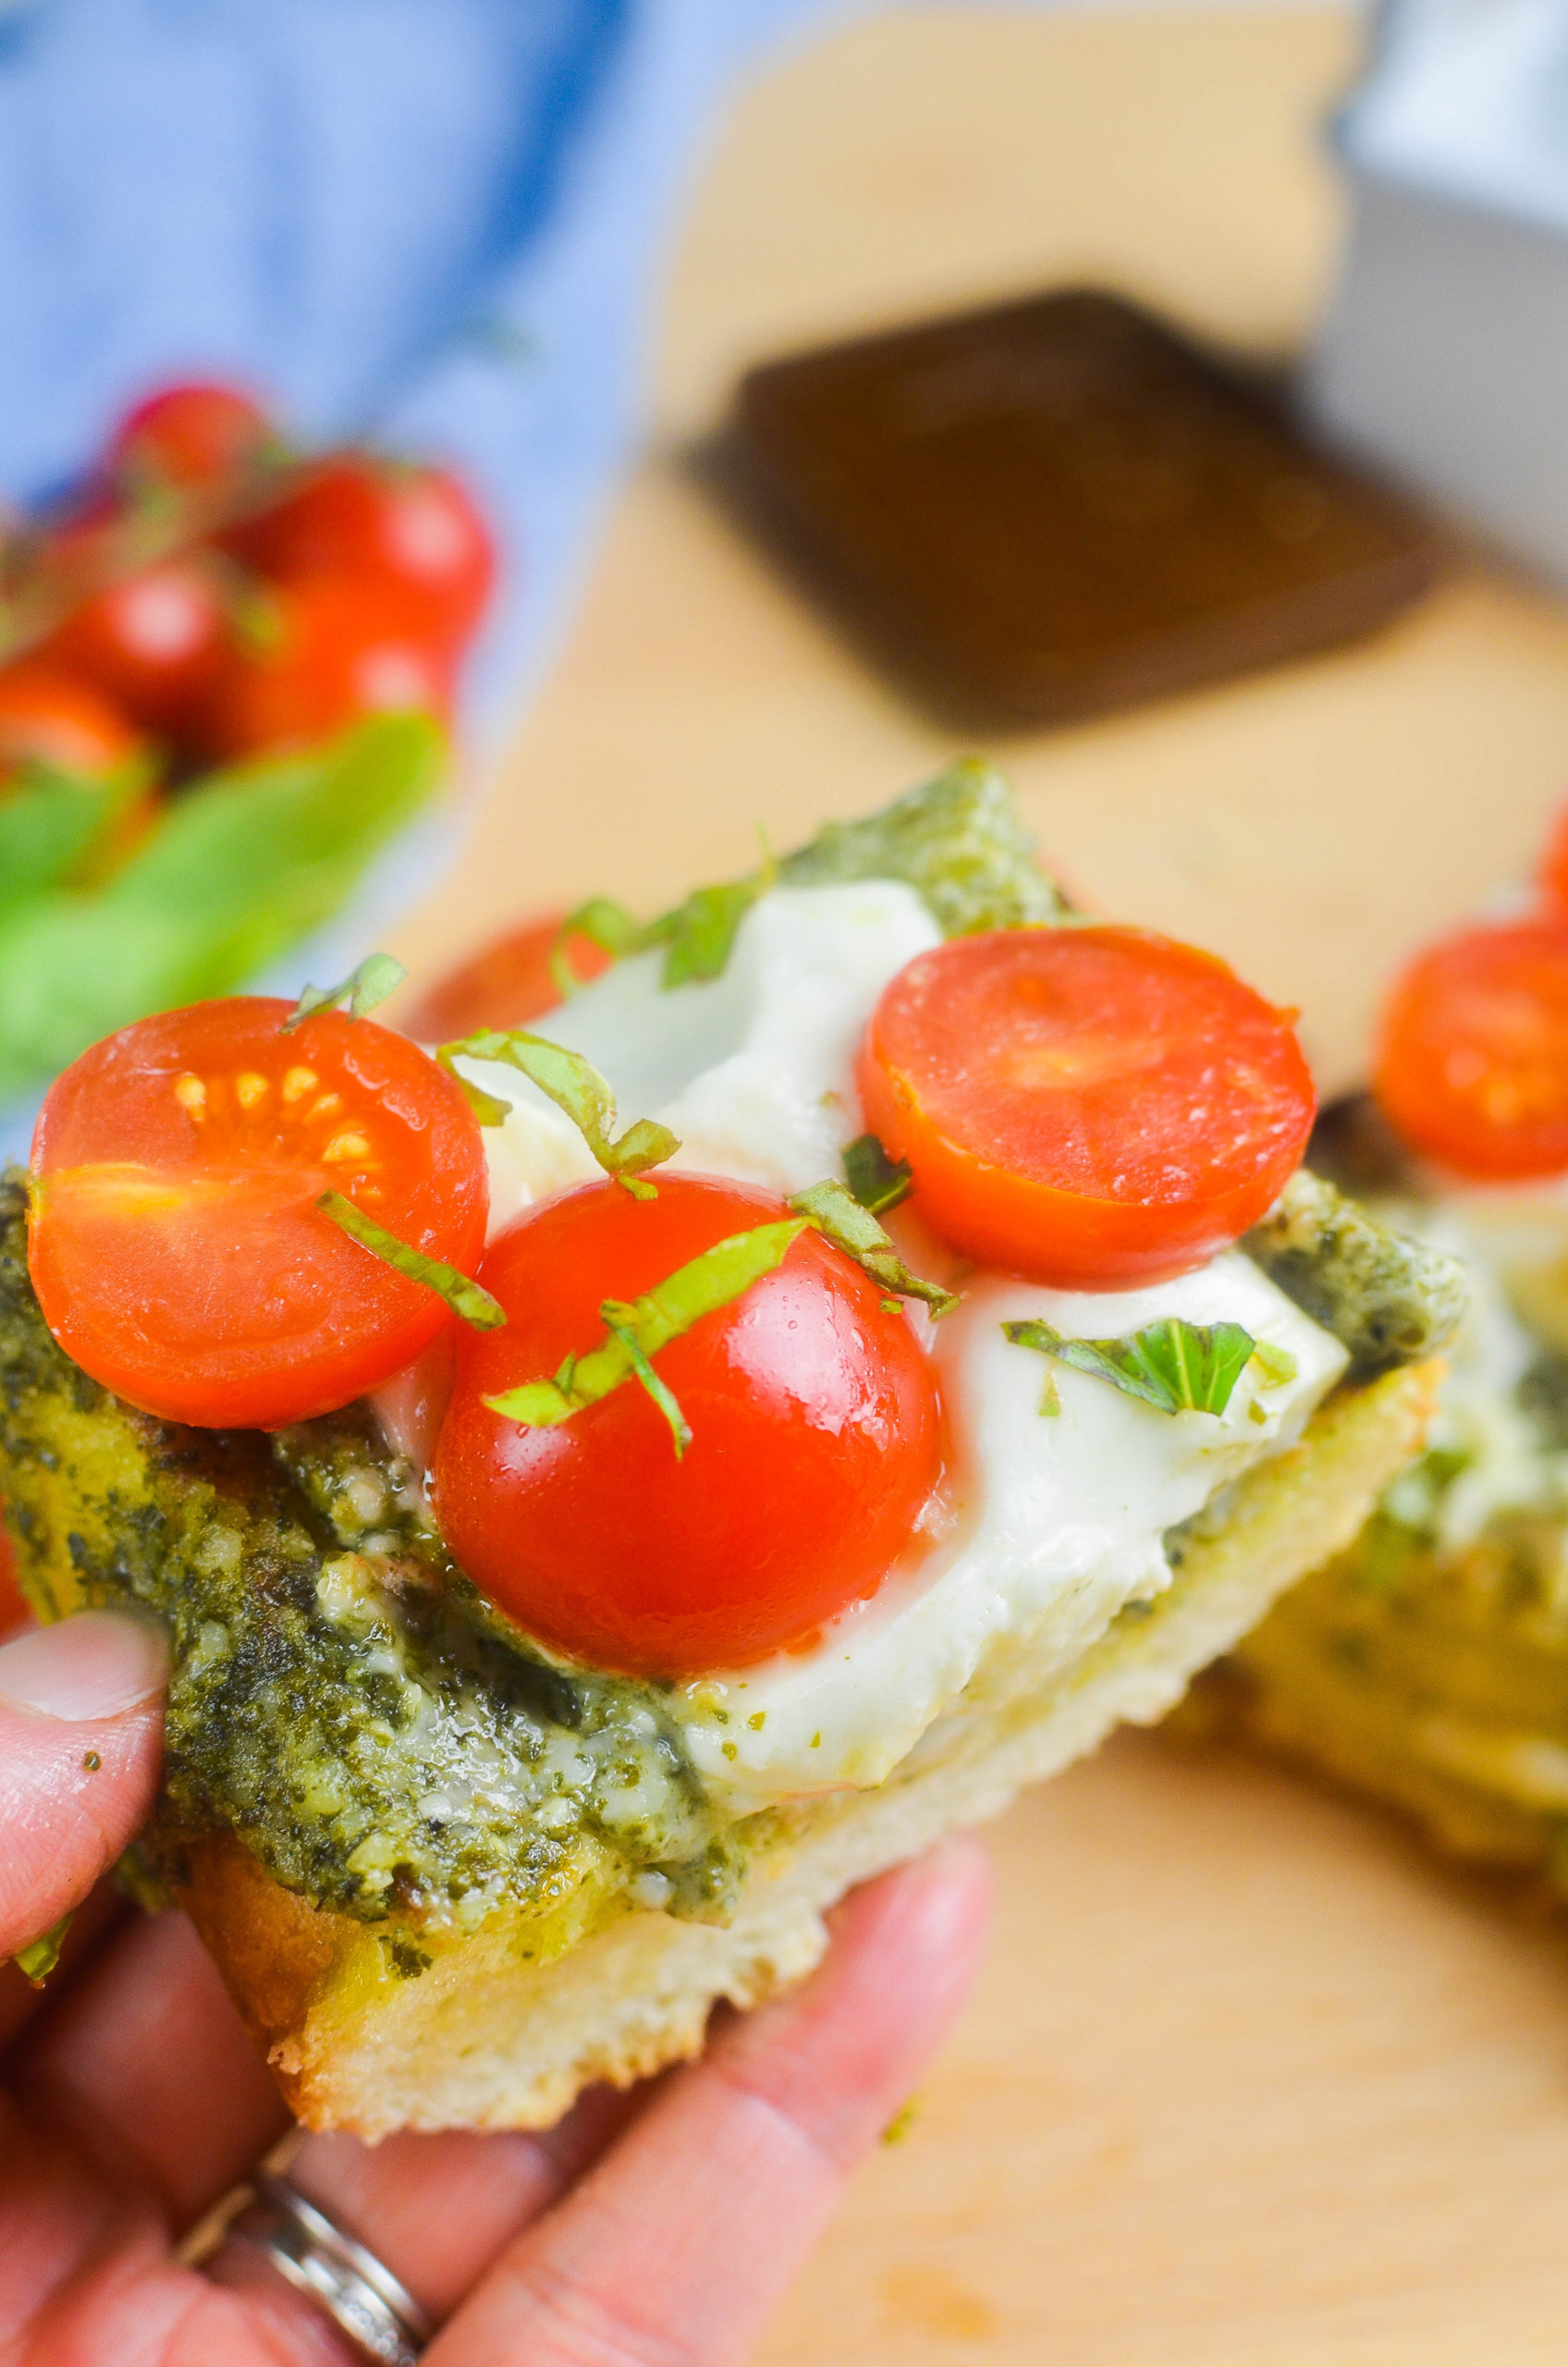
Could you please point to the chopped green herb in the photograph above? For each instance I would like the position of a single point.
(574, 1085)
(903, 2120)
(377, 977)
(38, 1960)
(956, 839)
(836, 1213)
(462, 1296)
(605, 923)
(91, 1761)
(663, 1396)
(877, 1181)
(1174, 1366)
(638, 1329)
(1277, 1365)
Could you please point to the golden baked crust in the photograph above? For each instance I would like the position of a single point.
(503, 2029)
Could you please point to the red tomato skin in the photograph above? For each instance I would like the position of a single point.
(505, 985)
(415, 529)
(816, 1442)
(335, 650)
(14, 1608)
(210, 1289)
(1471, 1066)
(1155, 1107)
(48, 716)
(192, 433)
(155, 642)
(1551, 872)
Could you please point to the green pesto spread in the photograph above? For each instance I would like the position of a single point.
(341, 1697)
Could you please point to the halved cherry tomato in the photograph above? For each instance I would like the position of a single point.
(49, 717)
(175, 1242)
(1472, 1063)
(1095, 1107)
(414, 528)
(155, 642)
(189, 434)
(506, 984)
(326, 651)
(815, 1441)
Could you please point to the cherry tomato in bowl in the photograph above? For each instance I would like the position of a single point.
(1472, 1060)
(49, 717)
(413, 527)
(815, 1441)
(155, 642)
(322, 654)
(175, 1239)
(193, 434)
(1095, 1107)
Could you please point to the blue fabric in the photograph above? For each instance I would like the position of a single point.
(431, 221)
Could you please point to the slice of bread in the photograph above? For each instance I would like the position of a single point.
(497, 2030)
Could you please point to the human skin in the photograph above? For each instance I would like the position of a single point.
(655, 2229)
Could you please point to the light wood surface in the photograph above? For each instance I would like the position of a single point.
(1249, 2081)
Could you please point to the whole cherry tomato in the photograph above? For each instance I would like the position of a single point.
(1472, 1062)
(814, 1440)
(1095, 1107)
(194, 434)
(49, 717)
(154, 642)
(505, 985)
(414, 528)
(175, 1239)
(324, 652)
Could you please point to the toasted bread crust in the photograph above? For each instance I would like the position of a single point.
(491, 2035)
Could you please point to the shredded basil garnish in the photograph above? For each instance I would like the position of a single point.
(840, 1217)
(462, 1296)
(574, 1085)
(377, 977)
(639, 1327)
(38, 1960)
(877, 1181)
(1175, 1365)
(956, 839)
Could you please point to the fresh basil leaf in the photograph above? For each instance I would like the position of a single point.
(1174, 1366)
(574, 1085)
(38, 1960)
(241, 866)
(839, 1216)
(605, 923)
(464, 1297)
(663, 1396)
(957, 839)
(49, 821)
(638, 1329)
(376, 977)
(877, 1181)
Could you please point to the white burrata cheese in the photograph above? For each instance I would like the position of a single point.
(1046, 1525)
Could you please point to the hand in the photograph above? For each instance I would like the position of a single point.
(651, 2230)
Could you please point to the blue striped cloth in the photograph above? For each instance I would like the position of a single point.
(436, 222)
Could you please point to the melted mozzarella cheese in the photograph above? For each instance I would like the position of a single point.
(1047, 1525)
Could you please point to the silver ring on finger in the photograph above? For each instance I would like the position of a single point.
(358, 2292)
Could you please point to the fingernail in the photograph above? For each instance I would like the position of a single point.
(92, 1665)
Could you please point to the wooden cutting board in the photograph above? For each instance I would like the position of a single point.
(1250, 2081)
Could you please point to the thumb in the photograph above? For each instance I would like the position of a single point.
(80, 1735)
